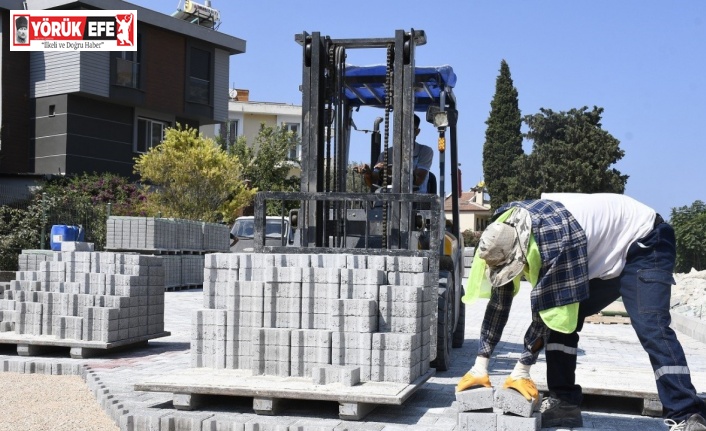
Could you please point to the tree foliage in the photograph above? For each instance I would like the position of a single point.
(95, 189)
(20, 229)
(571, 153)
(192, 177)
(70, 200)
(471, 238)
(690, 229)
(266, 162)
(503, 141)
(354, 180)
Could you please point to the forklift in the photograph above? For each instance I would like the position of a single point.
(380, 230)
(392, 219)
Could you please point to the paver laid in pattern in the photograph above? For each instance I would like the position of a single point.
(606, 353)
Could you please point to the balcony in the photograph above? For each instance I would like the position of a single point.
(198, 91)
(127, 73)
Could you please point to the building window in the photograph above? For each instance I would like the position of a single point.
(199, 84)
(150, 133)
(232, 132)
(127, 67)
(295, 150)
(228, 132)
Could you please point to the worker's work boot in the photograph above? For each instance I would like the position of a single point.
(470, 380)
(524, 386)
(560, 414)
(696, 422)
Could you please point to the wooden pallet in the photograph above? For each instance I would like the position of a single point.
(618, 381)
(608, 320)
(269, 393)
(36, 345)
(183, 287)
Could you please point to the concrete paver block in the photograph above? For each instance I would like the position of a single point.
(475, 421)
(475, 399)
(327, 374)
(187, 401)
(511, 401)
(183, 423)
(266, 405)
(354, 411)
(652, 407)
(217, 424)
(519, 423)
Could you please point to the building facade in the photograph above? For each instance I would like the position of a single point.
(89, 111)
(246, 117)
(474, 210)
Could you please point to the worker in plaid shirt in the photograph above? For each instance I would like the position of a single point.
(580, 252)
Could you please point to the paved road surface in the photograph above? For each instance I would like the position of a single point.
(608, 352)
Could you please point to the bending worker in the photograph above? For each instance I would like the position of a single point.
(581, 252)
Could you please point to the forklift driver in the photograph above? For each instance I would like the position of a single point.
(421, 163)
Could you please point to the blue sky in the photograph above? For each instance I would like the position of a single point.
(643, 61)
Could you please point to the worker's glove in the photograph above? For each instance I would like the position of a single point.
(471, 380)
(524, 386)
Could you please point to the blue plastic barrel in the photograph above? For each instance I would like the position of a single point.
(63, 233)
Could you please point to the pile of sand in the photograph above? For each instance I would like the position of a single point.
(689, 294)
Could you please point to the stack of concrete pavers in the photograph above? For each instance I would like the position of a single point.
(181, 242)
(150, 234)
(29, 260)
(86, 296)
(362, 318)
(468, 253)
(172, 271)
(488, 409)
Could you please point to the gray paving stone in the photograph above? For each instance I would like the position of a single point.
(511, 401)
(508, 422)
(475, 399)
(601, 347)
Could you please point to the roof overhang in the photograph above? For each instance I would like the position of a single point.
(12, 5)
(226, 42)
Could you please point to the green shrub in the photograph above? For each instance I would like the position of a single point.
(471, 238)
(72, 200)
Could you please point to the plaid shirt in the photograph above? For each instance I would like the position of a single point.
(563, 278)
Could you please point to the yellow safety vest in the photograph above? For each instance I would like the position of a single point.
(561, 319)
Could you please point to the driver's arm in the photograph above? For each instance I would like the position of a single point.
(424, 161)
(419, 176)
(370, 176)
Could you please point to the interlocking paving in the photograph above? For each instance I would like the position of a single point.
(606, 353)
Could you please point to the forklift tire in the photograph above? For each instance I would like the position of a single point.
(444, 322)
(460, 332)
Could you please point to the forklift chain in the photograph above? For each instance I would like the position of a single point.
(385, 167)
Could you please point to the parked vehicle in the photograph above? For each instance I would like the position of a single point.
(277, 233)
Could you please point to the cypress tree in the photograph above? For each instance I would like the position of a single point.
(503, 141)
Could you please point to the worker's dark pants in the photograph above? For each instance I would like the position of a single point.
(645, 285)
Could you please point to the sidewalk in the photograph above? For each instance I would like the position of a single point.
(608, 354)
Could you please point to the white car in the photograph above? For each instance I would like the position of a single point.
(277, 233)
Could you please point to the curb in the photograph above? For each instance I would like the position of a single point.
(694, 328)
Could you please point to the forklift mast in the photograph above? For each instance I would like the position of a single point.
(392, 220)
(330, 91)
